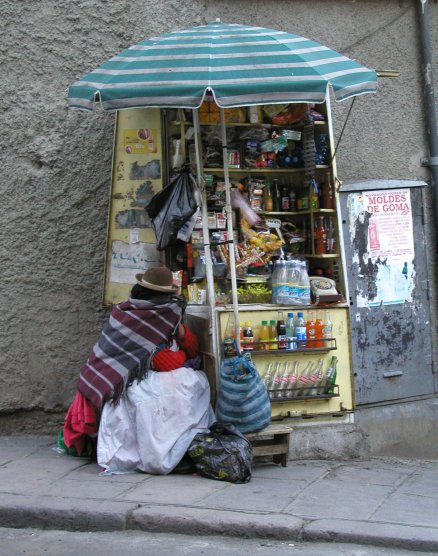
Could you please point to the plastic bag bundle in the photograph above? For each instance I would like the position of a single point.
(223, 453)
(171, 207)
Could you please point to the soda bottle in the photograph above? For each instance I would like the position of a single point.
(247, 337)
(331, 376)
(285, 200)
(276, 194)
(268, 202)
(267, 378)
(328, 327)
(310, 330)
(292, 200)
(315, 378)
(328, 194)
(292, 282)
(281, 332)
(320, 239)
(300, 331)
(303, 379)
(319, 331)
(292, 381)
(290, 332)
(276, 381)
(264, 336)
(314, 195)
(284, 382)
(230, 332)
(273, 344)
(330, 237)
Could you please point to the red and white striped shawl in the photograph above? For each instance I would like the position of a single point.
(125, 347)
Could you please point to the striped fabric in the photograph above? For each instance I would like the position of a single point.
(129, 338)
(239, 64)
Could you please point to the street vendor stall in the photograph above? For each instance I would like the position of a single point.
(248, 109)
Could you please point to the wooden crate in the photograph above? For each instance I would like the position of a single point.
(273, 441)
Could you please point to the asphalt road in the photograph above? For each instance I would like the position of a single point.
(34, 542)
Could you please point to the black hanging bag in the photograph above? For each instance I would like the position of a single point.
(171, 207)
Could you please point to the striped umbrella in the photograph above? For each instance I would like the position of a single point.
(239, 64)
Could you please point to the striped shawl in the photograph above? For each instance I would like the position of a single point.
(125, 347)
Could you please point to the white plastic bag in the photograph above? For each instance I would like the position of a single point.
(152, 427)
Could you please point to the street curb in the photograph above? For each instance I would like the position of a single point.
(56, 513)
(391, 535)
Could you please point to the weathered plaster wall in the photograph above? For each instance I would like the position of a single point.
(56, 165)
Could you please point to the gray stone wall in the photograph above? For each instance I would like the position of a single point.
(56, 165)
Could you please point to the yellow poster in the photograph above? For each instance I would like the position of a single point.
(137, 176)
(140, 141)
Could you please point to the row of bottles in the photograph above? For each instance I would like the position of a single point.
(296, 332)
(286, 380)
(281, 198)
(290, 282)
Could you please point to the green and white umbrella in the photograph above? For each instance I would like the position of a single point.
(241, 65)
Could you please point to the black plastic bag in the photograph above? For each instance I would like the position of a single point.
(171, 207)
(224, 454)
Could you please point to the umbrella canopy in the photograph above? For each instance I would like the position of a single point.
(239, 64)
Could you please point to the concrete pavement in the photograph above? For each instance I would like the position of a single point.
(379, 501)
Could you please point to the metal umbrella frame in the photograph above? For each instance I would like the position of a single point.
(240, 65)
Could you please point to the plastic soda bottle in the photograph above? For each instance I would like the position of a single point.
(290, 332)
(273, 344)
(300, 331)
(247, 337)
(328, 327)
(281, 332)
(310, 330)
(264, 336)
(319, 331)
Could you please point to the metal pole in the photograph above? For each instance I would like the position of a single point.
(205, 231)
(229, 212)
(429, 98)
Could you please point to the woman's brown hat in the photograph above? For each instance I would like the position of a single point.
(159, 279)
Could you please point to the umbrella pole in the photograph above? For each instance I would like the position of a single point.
(229, 214)
(205, 230)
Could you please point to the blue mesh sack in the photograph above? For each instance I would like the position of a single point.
(242, 396)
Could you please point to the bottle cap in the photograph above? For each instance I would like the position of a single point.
(264, 323)
(273, 321)
(300, 314)
(247, 324)
(290, 315)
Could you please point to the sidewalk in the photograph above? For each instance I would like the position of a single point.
(383, 501)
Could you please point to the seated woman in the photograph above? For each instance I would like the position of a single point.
(148, 417)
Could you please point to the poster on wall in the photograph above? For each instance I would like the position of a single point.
(128, 259)
(389, 251)
(136, 178)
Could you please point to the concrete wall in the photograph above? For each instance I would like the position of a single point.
(56, 165)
